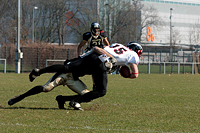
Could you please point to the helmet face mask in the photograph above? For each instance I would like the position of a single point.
(95, 28)
(135, 47)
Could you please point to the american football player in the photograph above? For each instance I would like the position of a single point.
(95, 37)
(125, 55)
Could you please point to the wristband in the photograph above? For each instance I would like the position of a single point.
(134, 73)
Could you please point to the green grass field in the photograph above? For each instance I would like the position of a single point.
(150, 103)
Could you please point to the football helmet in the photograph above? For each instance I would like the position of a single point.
(93, 28)
(135, 46)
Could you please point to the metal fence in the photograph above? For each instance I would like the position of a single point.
(169, 67)
(151, 62)
(34, 57)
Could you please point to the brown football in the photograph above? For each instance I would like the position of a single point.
(125, 71)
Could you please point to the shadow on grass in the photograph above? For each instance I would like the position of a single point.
(33, 108)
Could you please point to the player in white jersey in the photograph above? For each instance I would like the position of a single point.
(125, 55)
(122, 54)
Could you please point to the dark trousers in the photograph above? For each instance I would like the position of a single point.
(89, 65)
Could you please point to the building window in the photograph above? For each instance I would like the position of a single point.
(161, 1)
(171, 2)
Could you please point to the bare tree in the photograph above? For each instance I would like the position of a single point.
(84, 12)
(150, 18)
(63, 20)
(128, 22)
(176, 36)
(194, 34)
(4, 4)
(9, 21)
(56, 18)
(49, 20)
(116, 19)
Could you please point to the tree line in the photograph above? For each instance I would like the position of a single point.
(61, 20)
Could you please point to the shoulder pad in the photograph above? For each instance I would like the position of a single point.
(103, 33)
(87, 36)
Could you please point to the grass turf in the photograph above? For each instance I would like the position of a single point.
(150, 103)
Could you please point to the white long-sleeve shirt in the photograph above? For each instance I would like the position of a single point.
(122, 54)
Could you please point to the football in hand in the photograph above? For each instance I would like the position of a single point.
(125, 71)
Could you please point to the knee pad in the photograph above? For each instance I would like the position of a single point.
(50, 85)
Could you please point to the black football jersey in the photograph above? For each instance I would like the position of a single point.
(94, 40)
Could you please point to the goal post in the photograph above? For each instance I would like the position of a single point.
(4, 64)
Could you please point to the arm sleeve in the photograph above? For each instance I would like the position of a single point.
(133, 59)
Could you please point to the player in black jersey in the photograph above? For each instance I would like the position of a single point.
(96, 37)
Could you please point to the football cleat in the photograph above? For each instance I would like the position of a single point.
(14, 100)
(60, 101)
(75, 105)
(34, 73)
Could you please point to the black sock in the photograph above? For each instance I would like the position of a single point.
(69, 98)
(88, 97)
(33, 91)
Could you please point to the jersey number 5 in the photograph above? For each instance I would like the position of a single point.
(119, 50)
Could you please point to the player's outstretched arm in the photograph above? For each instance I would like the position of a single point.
(101, 51)
(105, 40)
(134, 71)
(80, 46)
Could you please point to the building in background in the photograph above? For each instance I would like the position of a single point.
(185, 16)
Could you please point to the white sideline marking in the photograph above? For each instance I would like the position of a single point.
(86, 127)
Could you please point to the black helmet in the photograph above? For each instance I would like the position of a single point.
(95, 25)
(135, 46)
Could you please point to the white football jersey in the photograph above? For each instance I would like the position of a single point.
(122, 54)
